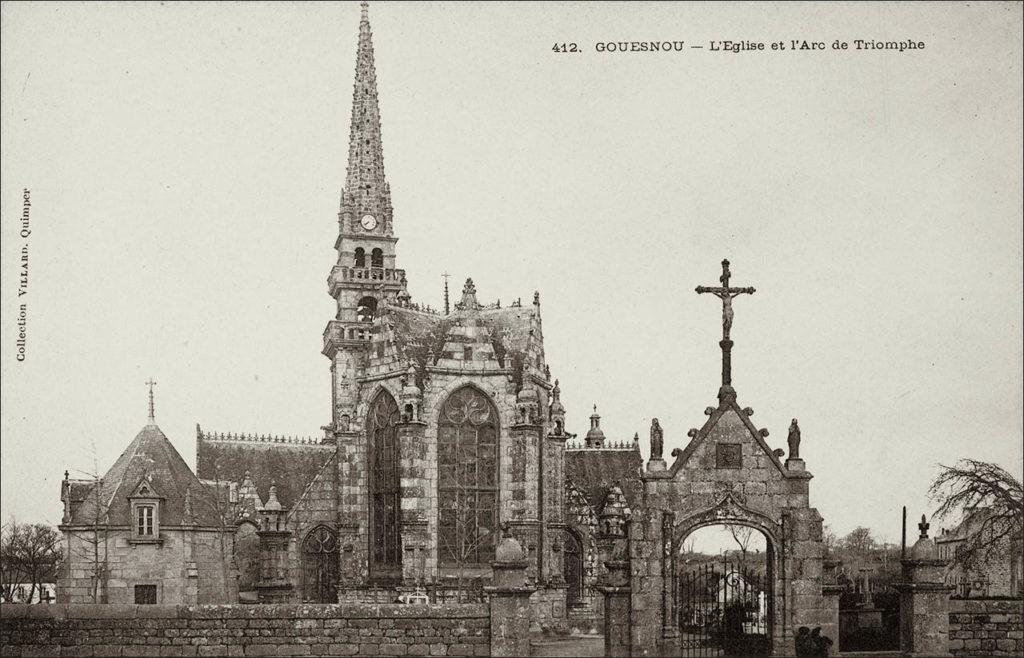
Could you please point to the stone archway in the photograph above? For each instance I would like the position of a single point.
(727, 474)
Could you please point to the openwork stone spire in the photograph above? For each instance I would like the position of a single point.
(366, 190)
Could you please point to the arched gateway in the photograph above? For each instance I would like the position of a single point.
(727, 474)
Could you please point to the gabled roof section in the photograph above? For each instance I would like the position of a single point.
(728, 406)
(149, 460)
(593, 471)
(289, 464)
(471, 337)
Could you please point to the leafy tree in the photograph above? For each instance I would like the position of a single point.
(989, 498)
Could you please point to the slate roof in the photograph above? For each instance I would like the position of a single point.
(150, 455)
(594, 470)
(505, 330)
(290, 466)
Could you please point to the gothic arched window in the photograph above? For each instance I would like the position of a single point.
(377, 258)
(467, 463)
(360, 257)
(385, 489)
(320, 566)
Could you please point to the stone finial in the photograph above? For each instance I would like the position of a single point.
(595, 436)
(923, 527)
(508, 549)
(273, 504)
(536, 298)
(152, 414)
(469, 301)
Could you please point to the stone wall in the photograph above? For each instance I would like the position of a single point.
(986, 627)
(264, 630)
(186, 567)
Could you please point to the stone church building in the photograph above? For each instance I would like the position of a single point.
(445, 427)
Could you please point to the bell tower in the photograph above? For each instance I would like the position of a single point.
(365, 274)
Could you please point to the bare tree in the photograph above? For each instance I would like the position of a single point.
(989, 499)
(11, 569)
(28, 552)
(742, 535)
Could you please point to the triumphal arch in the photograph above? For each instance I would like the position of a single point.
(729, 475)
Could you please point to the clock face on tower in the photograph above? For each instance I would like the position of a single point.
(368, 222)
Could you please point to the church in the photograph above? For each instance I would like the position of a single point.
(446, 428)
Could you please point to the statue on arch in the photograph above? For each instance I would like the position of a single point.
(794, 440)
(657, 439)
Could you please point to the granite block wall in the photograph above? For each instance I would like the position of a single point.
(237, 630)
(986, 627)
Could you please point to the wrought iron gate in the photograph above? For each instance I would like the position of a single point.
(724, 610)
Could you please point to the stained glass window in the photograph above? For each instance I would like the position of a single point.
(385, 489)
(467, 446)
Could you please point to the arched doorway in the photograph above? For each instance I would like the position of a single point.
(320, 566)
(724, 591)
(572, 569)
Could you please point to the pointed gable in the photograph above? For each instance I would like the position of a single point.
(152, 464)
(730, 447)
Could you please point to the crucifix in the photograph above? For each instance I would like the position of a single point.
(726, 294)
(152, 415)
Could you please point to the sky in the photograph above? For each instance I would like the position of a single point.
(184, 164)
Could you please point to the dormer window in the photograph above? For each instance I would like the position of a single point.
(145, 513)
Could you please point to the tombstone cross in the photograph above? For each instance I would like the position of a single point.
(726, 294)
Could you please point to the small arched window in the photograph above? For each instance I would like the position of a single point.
(377, 258)
(360, 257)
(367, 307)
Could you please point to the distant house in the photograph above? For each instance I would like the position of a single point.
(1000, 574)
(45, 591)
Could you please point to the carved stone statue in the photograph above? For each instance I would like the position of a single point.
(657, 440)
(794, 440)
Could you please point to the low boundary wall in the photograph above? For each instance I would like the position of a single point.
(986, 627)
(245, 630)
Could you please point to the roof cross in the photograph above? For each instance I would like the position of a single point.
(726, 294)
(152, 415)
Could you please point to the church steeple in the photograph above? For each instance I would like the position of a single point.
(366, 193)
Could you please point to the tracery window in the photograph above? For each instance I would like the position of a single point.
(385, 488)
(320, 566)
(467, 449)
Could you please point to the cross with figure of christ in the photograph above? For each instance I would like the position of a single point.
(725, 293)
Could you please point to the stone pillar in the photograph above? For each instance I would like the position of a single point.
(830, 590)
(509, 599)
(617, 593)
(613, 538)
(924, 600)
(273, 585)
(415, 501)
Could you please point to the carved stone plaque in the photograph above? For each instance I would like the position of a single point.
(729, 455)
